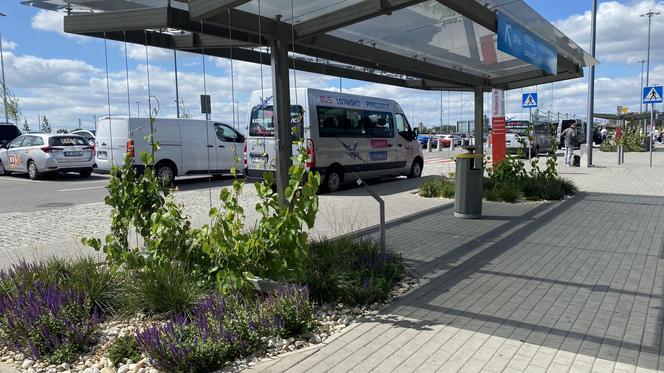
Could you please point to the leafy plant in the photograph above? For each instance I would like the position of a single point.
(351, 271)
(503, 193)
(163, 290)
(291, 305)
(124, 348)
(437, 187)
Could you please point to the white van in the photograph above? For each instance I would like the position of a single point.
(186, 146)
(344, 135)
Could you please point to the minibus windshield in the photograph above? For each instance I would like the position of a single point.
(262, 121)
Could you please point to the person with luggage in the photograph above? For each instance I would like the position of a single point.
(568, 135)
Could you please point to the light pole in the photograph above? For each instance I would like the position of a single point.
(650, 14)
(138, 108)
(4, 84)
(591, 88)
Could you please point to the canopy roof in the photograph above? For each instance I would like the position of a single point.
(425, 44)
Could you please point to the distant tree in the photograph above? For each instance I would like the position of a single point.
(184, 110)
(13, 109)
(26, 125)
(45, 127)
(62, 130)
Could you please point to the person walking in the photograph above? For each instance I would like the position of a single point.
(603, 133)
(568, 136)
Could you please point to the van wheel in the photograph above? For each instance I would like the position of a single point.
(333, 179)
(33, 172)
(415, 170)
(165, 172)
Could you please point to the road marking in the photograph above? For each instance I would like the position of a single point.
(86, 188)
(19, 180)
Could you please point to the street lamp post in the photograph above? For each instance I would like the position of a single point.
(650, 14)
(641, 91)
(591, 88)
(4, 83)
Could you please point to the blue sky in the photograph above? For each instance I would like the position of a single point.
(63, 76)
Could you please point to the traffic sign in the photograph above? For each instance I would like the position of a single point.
(529, 100)
(652, 95)
(624, 109)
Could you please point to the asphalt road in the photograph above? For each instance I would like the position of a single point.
(20, 194)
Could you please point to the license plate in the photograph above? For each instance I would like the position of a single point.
(73, 154)
(258, 158)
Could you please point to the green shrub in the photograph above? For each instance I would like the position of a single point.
(124, 348)
(503, 193)
(291, 304)
(163, 290)
(351, 271)
(437, 187)
(568, 187)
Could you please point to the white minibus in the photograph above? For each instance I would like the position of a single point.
(345, 136)
(186, 146)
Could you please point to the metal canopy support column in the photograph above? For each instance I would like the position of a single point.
(479, 120)
(282, 117)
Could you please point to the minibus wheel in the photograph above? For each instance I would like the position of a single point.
(333, 179)
(415, 169)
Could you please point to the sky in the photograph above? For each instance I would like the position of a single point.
(64, 77)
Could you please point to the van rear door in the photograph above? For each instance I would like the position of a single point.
(112, 136)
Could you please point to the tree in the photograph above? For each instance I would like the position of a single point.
(184, 110)
(62, 130)
(45, 127)
(26, 125)
(13, 109)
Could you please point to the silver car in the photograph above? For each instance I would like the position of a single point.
(39, 153)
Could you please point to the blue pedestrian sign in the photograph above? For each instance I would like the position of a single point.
(529, 100)
(516, 40)
(652, 95)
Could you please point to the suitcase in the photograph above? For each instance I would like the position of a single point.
(576, 162)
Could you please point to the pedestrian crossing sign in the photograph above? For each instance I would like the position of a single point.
(652, 95)
(529, 100)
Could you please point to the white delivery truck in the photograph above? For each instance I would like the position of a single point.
(345, 135)
(186, 146)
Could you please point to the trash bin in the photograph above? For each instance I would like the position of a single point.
(469, 186)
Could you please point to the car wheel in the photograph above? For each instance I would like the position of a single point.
(415, 170)
(3, 170)
(166, 173)
(333, 180)
(33, 172)
(85, 174)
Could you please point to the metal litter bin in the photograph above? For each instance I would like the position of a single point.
(469, 188)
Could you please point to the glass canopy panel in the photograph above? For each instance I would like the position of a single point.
(302, 9)
(434, 33)
(77, 6)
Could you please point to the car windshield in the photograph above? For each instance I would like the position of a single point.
(8, 133)
(66, 141)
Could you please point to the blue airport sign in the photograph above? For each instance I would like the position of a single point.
(529, 100)
(652, 95)
(517, 41)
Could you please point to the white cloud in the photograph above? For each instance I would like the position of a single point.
(621, 31)
(8, 44)
(46, 20)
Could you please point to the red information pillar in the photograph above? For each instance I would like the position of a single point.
(498, 150)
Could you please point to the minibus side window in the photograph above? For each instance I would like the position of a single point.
(378, 124)
(403, 127)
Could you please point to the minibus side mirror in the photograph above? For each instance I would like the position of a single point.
(416, 131)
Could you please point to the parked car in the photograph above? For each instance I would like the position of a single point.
(8, 132)
(423, 139)
(446, 140)
(38, 154)
(345, 135)
(89, 136)
(186, 146)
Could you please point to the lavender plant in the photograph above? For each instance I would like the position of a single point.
(47, 321)
(222, 328)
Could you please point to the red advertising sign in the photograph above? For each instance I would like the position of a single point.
(498, 149)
